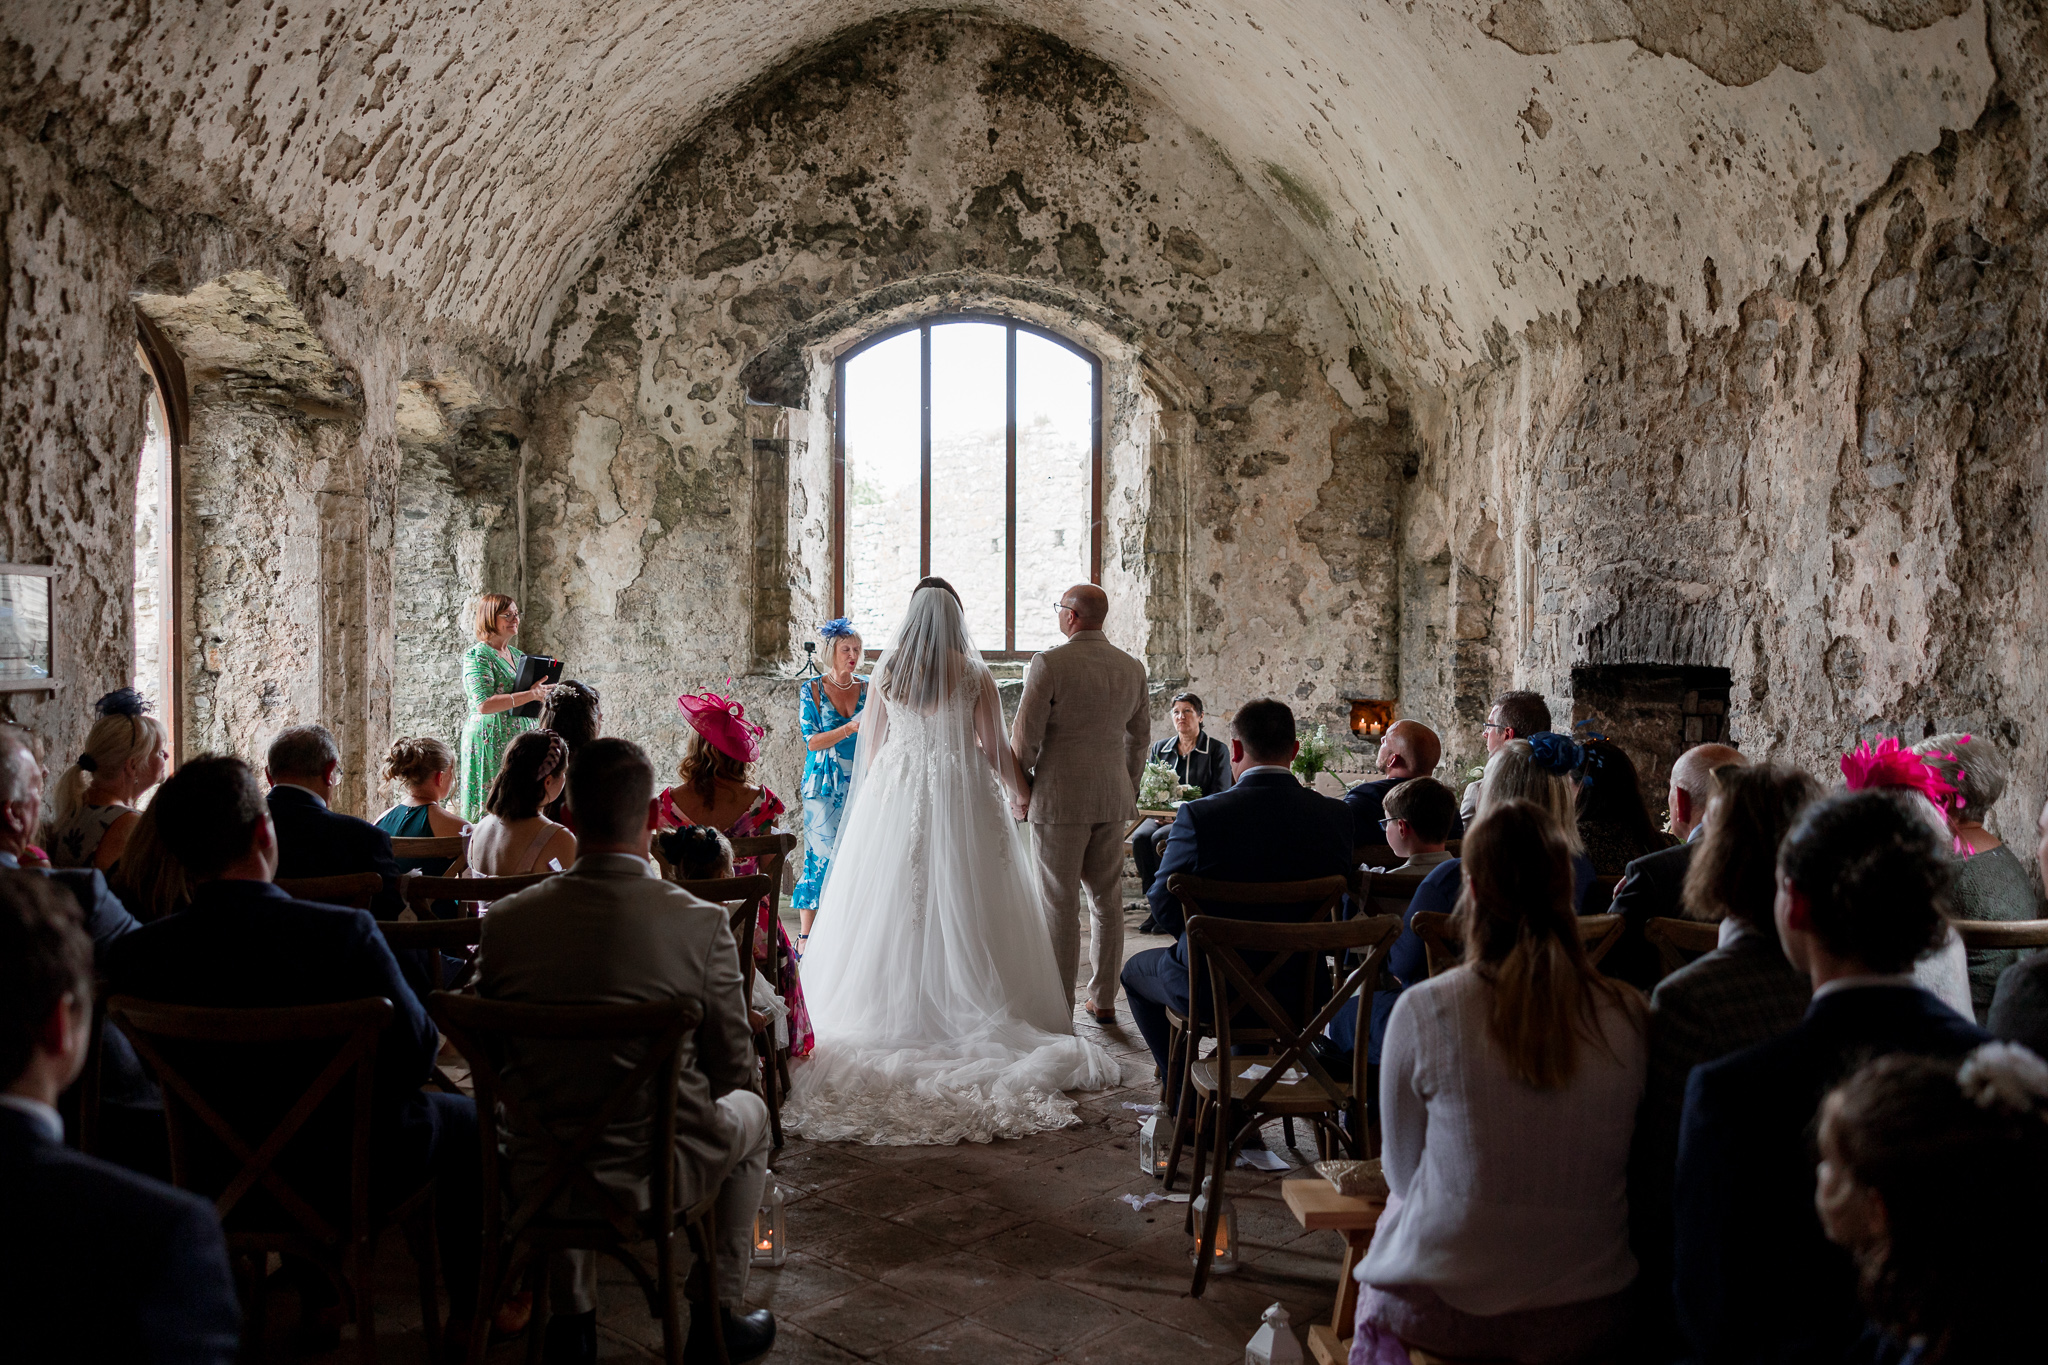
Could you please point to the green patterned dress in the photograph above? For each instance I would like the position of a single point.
(485, 738)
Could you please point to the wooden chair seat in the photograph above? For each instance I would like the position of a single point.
(2002, 933)
(355, 889)
(1284, 1097)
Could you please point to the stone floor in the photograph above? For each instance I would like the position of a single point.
(1008, 1253)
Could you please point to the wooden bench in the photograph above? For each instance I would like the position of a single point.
(1316, 1205)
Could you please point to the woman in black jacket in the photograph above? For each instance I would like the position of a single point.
(1198, 761)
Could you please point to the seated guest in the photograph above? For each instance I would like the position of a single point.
(1614, 824)
(1741, 993)
(1862, 878)
(148, 880)
(304, 770)
(1266, 827)
(1888, 765)
(1514, 715)
(1934, 1177)
(2019, 1010)
(92, 811)
(1197, 761)
(1653, 886)
(244, 944)
(425, 768)
(605, 932)
(1508, 1089)
(515, 838)
(1991, 883)
(571, 709)
(1420, 815)
(698, 853)
(1409, 750)
(96, 1263)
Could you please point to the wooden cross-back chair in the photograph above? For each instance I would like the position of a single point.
(2002, 933)
(518, 1245)
(354, 889)
(1599, 934)
(444, 940)
(288, 1222)
(420, 893)
(1220, 958)
(742, 898)
(1196, 894)
(436, 846)
(1679, 941)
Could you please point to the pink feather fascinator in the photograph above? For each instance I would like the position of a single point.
(723, 723)
(1889, 763)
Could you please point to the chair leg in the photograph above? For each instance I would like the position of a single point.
(256, 1327)
(420, 1239)
(1205, 1250)
(771, 1089)
(361, 1276)
(1180, 1130)
(1200, 1126)
(704, 1243)
(537, 1325)
(1287, 1126)
(665, 1281)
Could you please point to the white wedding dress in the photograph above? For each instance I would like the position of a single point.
(939, 1012)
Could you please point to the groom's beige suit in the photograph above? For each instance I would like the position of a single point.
(1082, 732)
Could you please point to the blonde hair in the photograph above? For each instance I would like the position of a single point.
(150, 881)
(703, 764)
(489, 607)
(113, 742)
(1513, 774)
(413, 761)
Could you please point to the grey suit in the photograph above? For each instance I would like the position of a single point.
(607, 933)
(1082, 731)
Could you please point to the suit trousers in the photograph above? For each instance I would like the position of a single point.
(1069, 858)
(572, 1275)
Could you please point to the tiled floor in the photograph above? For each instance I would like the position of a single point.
(1009, 1253)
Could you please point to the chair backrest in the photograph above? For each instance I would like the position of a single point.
(354, 889)
(1599, 934)
(1679, 941)
(443, 938)
(439, 846)
(352, 1026)
(1374, 855)
(481, 1030)
(771, 853)
(2002, 933)
(1388, 893)
(741, 896)
(421, 892)
(1201, 896)
(1226, 951)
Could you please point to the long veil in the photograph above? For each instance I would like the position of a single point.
(939, 1010)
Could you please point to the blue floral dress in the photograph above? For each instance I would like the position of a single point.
(828, 773)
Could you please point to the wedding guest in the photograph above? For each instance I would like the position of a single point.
(1653, 886)
(1517, 1072)
(1861, 880)
(148, 880)
(304, 770)
(2019, 1009)
(225, 951)
(1890, 765)
(1991, 883)
(425, 768)
(97, 1263)
(1514, 715)
(1265, 827)
(1197, 761)
(490, 670)
(831, 708)
(716, 787)
(1409, 750)
(698, 853)
(605, 932)
(1420, 815)
(92, 810)
(574, 711)
(514, 838)
(1928, 1170)
(1614, 824)
(1740, 994)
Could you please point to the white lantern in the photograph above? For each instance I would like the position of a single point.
(1224, 1260)
(1273, 1343)
(770, 1246)
(1152, 1147)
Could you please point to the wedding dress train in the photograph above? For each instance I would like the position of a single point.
(940, 1014)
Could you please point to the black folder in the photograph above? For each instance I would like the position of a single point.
(535, 668)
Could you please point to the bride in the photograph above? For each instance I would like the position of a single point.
(939, 1011)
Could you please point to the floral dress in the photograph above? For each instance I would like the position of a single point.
(773, 953)
(828, 773)
(486, 738)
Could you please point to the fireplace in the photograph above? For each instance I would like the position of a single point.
(1655, 712)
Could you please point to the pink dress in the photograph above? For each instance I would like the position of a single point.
(773, 953)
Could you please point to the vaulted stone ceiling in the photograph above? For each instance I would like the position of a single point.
(1458, 168)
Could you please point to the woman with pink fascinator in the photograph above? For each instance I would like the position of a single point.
(715, 786)
(1890, 765)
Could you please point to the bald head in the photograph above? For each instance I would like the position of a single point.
(1692, 783)
(1089, 605)
(1410, 749)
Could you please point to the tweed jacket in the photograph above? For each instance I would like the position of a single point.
(1082, 731)
(606, 933)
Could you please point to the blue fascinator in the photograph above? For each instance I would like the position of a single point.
(837, 628)
(1555, 753)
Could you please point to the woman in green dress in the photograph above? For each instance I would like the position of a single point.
(489, 671)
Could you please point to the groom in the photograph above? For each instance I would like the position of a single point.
(1081, 733)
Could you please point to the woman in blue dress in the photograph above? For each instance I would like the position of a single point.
(832, 706)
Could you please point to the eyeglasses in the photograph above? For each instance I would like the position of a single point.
(1393, 820)
(1061, 606)
(1493, 725)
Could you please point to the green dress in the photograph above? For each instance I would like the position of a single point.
(485, 738)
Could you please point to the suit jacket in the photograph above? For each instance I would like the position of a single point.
(243, 944)
(2019, 1011)
(605, 932)
(122, 1079)
(1652, 887)
(1368, 802)
(313, 841)
(1084, 709)
(1756, 1278)
(98, 1264)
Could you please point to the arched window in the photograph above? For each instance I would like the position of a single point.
(971, 448)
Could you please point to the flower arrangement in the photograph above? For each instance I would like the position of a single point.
(1314, 755)
(1159, 786)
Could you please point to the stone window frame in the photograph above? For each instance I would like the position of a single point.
(166, 370)
(924, 325)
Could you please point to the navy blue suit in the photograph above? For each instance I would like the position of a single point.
(1368, 802)
(100, 1264)
(1757, 1279)
(1266, 828)
(313, 841)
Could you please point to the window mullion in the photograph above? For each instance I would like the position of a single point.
(924, 471)
(1010, 492)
